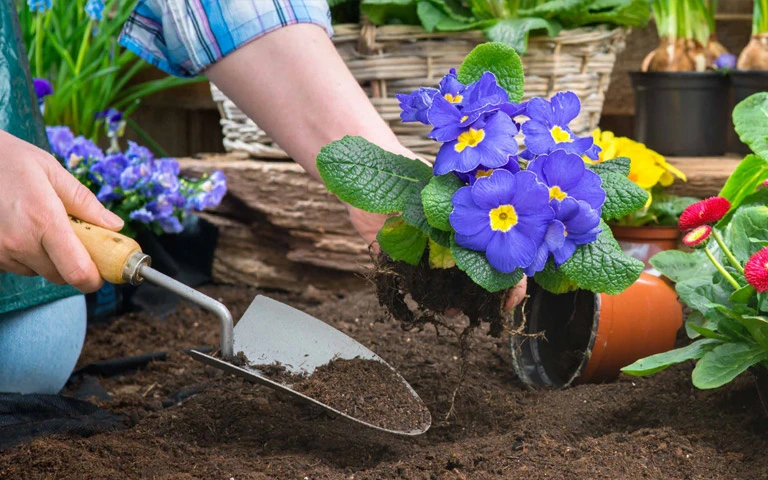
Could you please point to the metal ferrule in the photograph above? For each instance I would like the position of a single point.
(132, 267)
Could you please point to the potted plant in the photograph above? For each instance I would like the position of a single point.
(751, 74)
(681, 83)
(468, 229)
(725, 280)
(652, 228)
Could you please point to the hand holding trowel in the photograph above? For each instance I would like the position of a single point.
(269, 334)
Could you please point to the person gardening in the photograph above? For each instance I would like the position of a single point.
(275, 60)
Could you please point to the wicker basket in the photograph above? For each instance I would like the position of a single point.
(398, 59)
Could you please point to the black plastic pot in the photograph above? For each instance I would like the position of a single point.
(682, 113)
(760, 374)
(745, 84)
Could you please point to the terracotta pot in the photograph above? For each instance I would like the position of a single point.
(645, 242)
(587, 338)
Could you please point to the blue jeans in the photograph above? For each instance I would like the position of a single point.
(39, 346)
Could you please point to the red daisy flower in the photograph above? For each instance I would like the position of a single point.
(697, 237)
(705, 212)
(756, 270)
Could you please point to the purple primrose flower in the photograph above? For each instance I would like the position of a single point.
(547, 128)
(566, 176)
(726, 61)
(506, 215)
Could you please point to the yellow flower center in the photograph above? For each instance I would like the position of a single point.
(464, 118)
(560, 135)
(484, 173)
(696, 235)
(453, 98)
(557, 194)
(470, 138)
(503, 218)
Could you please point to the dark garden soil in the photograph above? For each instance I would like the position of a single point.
(186, 421)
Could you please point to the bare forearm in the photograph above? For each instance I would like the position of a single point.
(294, 85)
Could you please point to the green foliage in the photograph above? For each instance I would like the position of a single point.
(747, 231)
(750, 118)
(554, 279)
(401, 241)
(515, 31)
(622, 196)
(440, 256)
(89, 71)
(437, 196)
(724, 362)
(508, 21)
(370, 178)
(601, 266)
(476, 266)
(660, 361)
(502, 61)
(750, 174)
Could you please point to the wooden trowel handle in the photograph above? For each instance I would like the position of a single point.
(117, 257)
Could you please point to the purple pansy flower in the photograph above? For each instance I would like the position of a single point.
(725, 61)
(576, 223)
(566, 176)
(82, 149)
(142, 215)
(547, 128)
(481, 171)
(61, 139)
(110, 168)
(108, 193)
(170, 224)
(136, 176)
(113, 119)
(505, 215)
(209, 193)
(138, 154)
(165, 176)
(488, 142)
(43, 88)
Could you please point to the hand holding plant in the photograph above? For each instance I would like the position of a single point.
(487, 210)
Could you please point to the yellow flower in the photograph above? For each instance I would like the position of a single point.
(647, 168)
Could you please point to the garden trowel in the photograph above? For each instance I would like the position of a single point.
(269, 333)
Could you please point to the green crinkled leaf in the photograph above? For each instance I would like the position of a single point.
(750, 118)
(725, 362)
(622, 196)
(668, 208)
(750, 174)
(370, 178)
(633, 13)
(437, 199)
(476, 266)
(437, 15)
(601, 266)
(515, 31)
(413, 214)
(619, 166)
(499, 59)
(660, 361)
(554, 280)
(679, 266)
(401, 241)
(747, 231)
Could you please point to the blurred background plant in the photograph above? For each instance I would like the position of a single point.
(687, 37)
(651, 172)
(755, 54)
(507, 21)
(73, 45)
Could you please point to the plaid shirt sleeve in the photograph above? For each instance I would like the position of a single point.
(184, 37)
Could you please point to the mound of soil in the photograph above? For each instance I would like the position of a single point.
(186, 421)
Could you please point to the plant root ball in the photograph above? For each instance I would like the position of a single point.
(432, 293)
(755, 54)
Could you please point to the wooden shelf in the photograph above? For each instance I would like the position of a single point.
(706, 175)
